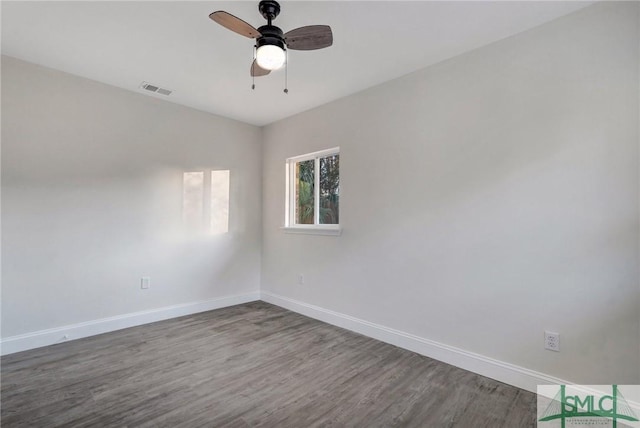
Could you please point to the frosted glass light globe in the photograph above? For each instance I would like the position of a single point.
(270, 57)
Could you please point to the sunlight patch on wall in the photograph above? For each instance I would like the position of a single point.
(219, 201)
(205, 201)
(192, 200)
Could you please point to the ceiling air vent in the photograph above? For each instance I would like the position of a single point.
(153, 88)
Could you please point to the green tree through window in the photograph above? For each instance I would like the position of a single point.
(305, 200)
(330, 189)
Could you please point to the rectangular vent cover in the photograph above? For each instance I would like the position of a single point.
(153, 88)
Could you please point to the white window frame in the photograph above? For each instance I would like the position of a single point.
(290, 205)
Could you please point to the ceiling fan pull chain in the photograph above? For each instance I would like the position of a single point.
(286, 67)
(253, 77)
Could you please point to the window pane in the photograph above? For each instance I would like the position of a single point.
(304, 192)
(219, 201)
(192, 193)
(329, 189)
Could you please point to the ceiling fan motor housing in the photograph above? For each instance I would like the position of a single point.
(271, 35)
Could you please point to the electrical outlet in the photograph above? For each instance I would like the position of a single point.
(552, 341)
(300, 279)
(145, 282)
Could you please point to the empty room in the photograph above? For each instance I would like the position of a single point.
(320, 213)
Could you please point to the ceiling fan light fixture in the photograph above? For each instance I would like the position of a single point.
(270, 57)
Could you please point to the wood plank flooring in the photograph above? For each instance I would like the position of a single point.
(252, 365)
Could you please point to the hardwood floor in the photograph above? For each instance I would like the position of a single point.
(252, 365)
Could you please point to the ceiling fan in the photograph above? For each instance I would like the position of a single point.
(271, 42)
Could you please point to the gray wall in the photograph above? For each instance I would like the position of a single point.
(92, 200)
(484, 200)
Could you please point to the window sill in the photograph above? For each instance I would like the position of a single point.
(313, 230)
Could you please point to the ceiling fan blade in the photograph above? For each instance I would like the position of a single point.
(257, 71)
(234, 24)
(309, 38)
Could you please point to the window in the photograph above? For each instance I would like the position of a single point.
(205, 201)
(313, 193)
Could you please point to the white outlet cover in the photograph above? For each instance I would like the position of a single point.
(145, 282)
(552, 341)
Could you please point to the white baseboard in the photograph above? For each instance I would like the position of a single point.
(36, 339)
(485, 366)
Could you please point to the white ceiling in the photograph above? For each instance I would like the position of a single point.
(176, 46)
